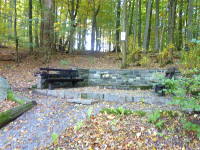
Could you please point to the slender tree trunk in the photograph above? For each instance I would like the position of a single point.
(79, 34)
(42, 23)
(94, 24)
(180, 26)
(117, 32)
(36, 33)
(148, 26)
(97, 38)
(130, 29)
(135, 24)
(139, 23)
(157, 35)
(84, 32)
(124, 30)
(30, 27)
(15, 32)
(190, 20)
(171, 21)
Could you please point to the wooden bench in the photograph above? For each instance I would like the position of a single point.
(50, 75)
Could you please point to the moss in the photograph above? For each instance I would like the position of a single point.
(11, 96)
(84, 95)
(9, 115)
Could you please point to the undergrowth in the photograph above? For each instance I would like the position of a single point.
(11, 96)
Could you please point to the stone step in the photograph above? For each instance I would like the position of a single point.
(109, 97)
(82, 101)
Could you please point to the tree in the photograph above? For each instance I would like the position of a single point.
(190, 19)
(48, 26)
(117, 30)
(171, 21)
(148, 25)
(124, 31)
(30, 27)
(15, 31)
(95, 10)
(139, 23)
(72, 10)
(157, 38)
(180, 26)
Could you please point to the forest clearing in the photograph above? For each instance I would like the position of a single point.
(99, 74)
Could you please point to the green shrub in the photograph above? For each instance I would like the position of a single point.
(191, 59)
(157, 118)
(145, 61)
(139, 113)
(122, 111)
(117, 111)
(64, 62)
(79, 125)
(189, 126)
(54, 137)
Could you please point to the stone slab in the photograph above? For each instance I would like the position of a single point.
(82, 101)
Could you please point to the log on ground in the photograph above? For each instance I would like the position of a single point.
(12, 114)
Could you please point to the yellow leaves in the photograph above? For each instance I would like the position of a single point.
(57, 26)
(90, 148)
(183, 148)
(154, 139)
(154, 148)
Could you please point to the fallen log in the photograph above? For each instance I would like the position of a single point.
(12, 114)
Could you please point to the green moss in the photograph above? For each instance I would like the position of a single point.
(11, 96)
(9, 115)
(84, 95)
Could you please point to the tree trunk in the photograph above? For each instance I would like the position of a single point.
(157, 35)
(84, 32)
(36, 33)
(42, 23)
(180, 26)
(124, 30)
(171, 21)
(139, 23)
(94, 24)
(148, 26)
(190, 20)
(48, 33)
(15, 32)
(117, 34)
(30, 27)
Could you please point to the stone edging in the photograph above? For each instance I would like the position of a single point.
(109, 97)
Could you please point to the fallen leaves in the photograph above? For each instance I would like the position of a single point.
(122, 132)
(6, 105)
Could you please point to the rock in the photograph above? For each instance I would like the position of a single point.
(4, 87)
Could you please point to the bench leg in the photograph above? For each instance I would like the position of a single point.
(50, 86)
(74, 83)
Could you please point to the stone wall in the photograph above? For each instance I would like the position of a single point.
(120, 79)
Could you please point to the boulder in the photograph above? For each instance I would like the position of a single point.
(4, 87)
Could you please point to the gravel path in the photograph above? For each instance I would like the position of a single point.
(34, 128)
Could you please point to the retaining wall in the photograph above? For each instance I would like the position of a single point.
(119, 78)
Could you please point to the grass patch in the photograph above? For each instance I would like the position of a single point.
(122, 111)
(11, 96)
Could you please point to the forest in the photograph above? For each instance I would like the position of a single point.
(150, 26)
(99, 74)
